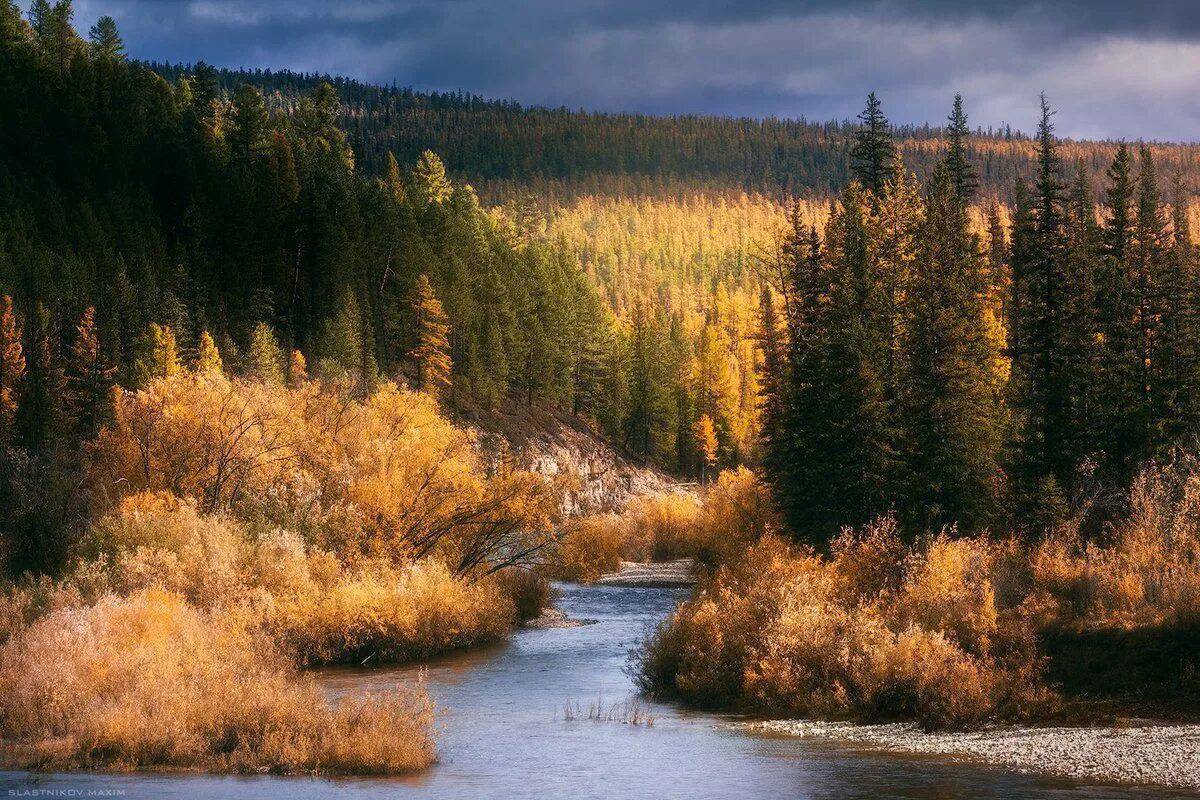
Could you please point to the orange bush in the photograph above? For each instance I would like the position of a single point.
(149, 681)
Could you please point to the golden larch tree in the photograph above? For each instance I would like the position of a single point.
(431, 353)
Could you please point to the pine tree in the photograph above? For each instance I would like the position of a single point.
(89, 381)
(705, 436)
(962, 174)
(1040, 399)
(430, 181)
(208, 356)
(431, 351)
(873, 155)
(105, 40)
(264, 357)
(12, 369)
(1146, 259)
(952, 440)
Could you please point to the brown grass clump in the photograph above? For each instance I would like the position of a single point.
(149, 681)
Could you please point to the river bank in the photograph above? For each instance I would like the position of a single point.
(502, 734)
(1137, 753)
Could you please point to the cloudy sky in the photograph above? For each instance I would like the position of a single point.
(1114, 68)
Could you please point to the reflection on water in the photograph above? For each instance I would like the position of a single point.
(503, 736)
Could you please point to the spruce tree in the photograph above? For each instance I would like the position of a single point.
(1116, 312)
(951, 421)
(264, 357)
(873, 155)
(962, 174)
(431, 351)
(1041, 402)
(12, 369)
(106, 42)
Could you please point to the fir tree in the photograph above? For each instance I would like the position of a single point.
(873, 155)
(431, 352)
(106, 42)
(962, 174)
(12, 369)
(264, 357)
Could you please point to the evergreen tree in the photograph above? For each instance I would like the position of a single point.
(89, 381)
(1176, 360)
(264, 357)
(12, 369)
(873, 155)
(208, 356)
(1043, 472)
(106, 42)
(951, 418)
(431, 351)
(430, 181)
(160, 355)
(962, 174)
(341, 345)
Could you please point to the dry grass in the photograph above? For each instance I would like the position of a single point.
(149, 681)
(947, 630)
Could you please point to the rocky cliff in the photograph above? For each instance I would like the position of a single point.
(596, 475)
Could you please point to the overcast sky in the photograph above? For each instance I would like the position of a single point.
(1113, 68)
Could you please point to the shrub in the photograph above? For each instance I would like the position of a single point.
(733, 512)
(783, 630)
(149, 681)
(382, 613)
(528, 591)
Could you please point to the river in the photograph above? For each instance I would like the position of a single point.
(504, 734)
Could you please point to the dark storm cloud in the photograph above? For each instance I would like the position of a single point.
(1113, 68)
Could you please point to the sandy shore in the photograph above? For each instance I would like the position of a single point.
(1164, 755)
(681, 572)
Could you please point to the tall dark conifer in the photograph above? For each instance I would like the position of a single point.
(873, 155)
(962, 174)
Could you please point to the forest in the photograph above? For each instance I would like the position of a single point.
(927, 400)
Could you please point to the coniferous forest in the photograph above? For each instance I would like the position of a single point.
(915, 408)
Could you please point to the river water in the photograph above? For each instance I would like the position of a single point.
(505, 734)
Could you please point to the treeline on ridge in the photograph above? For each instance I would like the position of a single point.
(504, 147)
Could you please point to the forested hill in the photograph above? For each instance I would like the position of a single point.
(503, 147)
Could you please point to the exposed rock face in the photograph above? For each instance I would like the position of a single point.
(596, 477)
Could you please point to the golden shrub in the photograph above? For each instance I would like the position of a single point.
(149, 681)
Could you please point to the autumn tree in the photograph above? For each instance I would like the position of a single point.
(431, 352)
(12, 368)
(705, 437)
(208, 356)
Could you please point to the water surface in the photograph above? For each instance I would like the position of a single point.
(504, 735)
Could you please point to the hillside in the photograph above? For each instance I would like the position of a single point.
(504, 148)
